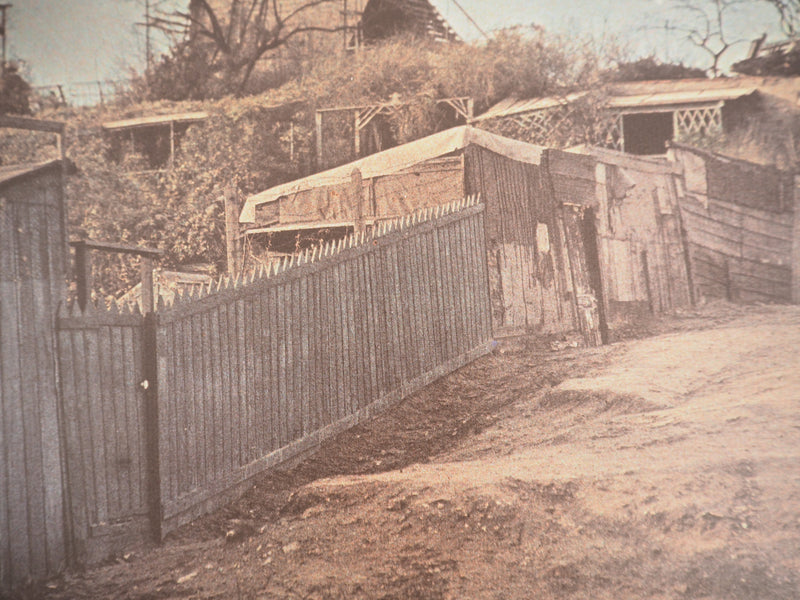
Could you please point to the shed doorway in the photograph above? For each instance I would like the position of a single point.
(648, 133)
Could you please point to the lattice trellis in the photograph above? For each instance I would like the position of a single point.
(611, 132)
(698, 121)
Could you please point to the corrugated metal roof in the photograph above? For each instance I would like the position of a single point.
(192, 117)
(634, 94)
(679, 98)
(397, 159)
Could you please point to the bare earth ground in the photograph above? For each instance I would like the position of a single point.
(665, 467)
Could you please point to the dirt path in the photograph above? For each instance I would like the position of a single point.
(667, 467)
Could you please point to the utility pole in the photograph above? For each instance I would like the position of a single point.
(3, 29)
(147, 53)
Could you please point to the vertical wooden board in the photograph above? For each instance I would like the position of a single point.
(478, 256)
(109, 424)
(479, 286)
(428, 303)
(309, 351)
(443, 288)
(217, 393)
(171, 399)
(121, 456)
(317, 358)
(408, 310)
(245, 360)
(348, 399)
(135, 397)
(466, 287)
(184, 403)
(418, 301)
(259, 406)
(451, 266)
(203, 439)
(469, 278)
(16, 557)
(244, 327)
(382, 320)
(275, 341)
(403, 312)
(295, 369)
(196, 437)
(341, 340)
(44, 317)
(368, 341)
(417, 293)
(464, 276)
(439, 314)
(450, 269)
(222, 391)
(442, 313)
(31, 411)
(236, 383)
(347, 335)
(74, 483)
(373, 323)
(304, 372)
(360, 347)
(96, 426)
(282, 308)
(287, 372)
(390, 287)
(326, 350)
(207, 395)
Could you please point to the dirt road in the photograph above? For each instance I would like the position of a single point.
(665, 467)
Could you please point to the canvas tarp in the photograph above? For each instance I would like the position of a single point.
(399, 158)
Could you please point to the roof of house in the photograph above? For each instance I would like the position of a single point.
(397, 159)
(156, 120)
(632, 95)
(422, 15)
(9, 173)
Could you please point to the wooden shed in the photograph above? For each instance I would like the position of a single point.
(537, 257)
(634, 203)
(32, 283)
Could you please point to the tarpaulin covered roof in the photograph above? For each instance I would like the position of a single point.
(397, 159)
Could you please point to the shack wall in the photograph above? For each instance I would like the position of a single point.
(32, 270)
(739, 220)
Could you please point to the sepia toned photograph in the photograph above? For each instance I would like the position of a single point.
(400, 299)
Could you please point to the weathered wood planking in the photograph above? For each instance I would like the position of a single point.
(528, 259)
(740, 237)
(32, 268)
(261, 373)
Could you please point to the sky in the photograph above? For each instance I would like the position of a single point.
(75, 41)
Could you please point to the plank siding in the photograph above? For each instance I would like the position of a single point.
(739, 236)
(32, 268)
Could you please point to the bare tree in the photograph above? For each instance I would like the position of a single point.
(789, 11)
(705, 27)
(238, 33)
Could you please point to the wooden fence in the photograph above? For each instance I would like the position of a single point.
(230, 382)
(739, 219)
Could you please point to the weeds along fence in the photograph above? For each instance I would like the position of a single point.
(168, 416)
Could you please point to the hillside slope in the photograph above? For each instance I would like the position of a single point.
(659, 468)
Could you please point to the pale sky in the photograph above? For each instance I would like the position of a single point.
(72, 41)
